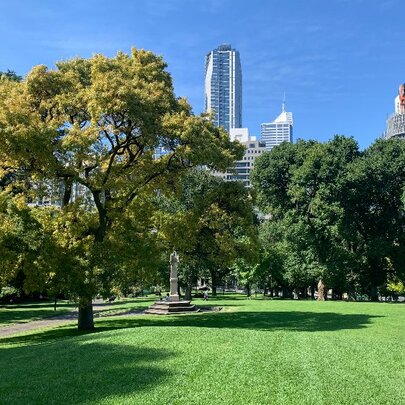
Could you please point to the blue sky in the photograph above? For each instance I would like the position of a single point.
(338, 61)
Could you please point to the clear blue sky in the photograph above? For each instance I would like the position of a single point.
(339, 61)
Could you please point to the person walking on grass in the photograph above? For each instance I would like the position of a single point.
(206, 295)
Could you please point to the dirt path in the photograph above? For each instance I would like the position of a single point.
(71, 317)
(43, 323)
(27, 326)
(54, 321)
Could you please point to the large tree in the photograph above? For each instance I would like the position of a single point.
(210, 222)
(94, 124)
(300, 187)
(374, 217)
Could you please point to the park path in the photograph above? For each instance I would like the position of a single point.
(71, 317)
(17, 328)
(54, 321)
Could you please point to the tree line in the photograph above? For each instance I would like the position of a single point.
(334, 217)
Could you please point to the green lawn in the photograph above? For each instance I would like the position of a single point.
(252, 352)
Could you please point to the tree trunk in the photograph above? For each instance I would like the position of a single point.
(214, 282)
(54, 304)
(285, 292)
(374, 293)
(67, 193)
(187, 295)
(312, 292)
(248, 290)
(85, 320)
(322, 291)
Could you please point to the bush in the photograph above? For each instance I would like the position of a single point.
(8, 294)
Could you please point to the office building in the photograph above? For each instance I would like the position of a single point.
(278, 131)
(242, 168)
(223, 86)
(239, 134)
(396, 122)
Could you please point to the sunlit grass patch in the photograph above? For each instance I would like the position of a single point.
(250, 352)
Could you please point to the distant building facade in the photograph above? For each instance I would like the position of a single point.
(239, 134)
(278, 131)
(223, 86)
(242, 169)
(396, 122)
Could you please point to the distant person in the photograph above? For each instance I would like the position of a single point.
(167, 299)
(206, 295)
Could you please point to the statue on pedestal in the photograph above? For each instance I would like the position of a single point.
(172, 303)
(174, 259)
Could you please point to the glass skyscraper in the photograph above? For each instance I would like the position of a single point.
(278, 131)
(223, 86)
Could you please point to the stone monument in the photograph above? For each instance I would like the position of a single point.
(174, 285)
(173, 305)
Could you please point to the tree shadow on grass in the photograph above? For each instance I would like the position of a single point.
(267, 321)
(78, 371)
(25, 313)
(294, 321)
(12, 316)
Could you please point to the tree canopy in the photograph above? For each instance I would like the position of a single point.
(88, 131)
(334, 214)
(210, 222)
(10, 75)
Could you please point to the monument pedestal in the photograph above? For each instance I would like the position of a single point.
(171, 308)
(174, 306)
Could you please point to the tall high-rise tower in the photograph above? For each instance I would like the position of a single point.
(278, 131)
(223, 86)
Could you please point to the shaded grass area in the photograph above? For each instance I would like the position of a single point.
(125, 305)
(11, 314)
(81, 372)
(27, 312)
(252, 352)
(267, 321)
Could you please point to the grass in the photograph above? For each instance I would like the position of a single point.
(21, 313)
(252, 352)
(27, 312)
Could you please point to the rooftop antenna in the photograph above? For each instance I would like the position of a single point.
(283, 105)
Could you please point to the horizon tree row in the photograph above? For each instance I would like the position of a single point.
(334, 216)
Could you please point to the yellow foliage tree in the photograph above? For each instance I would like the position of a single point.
(95, 123)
